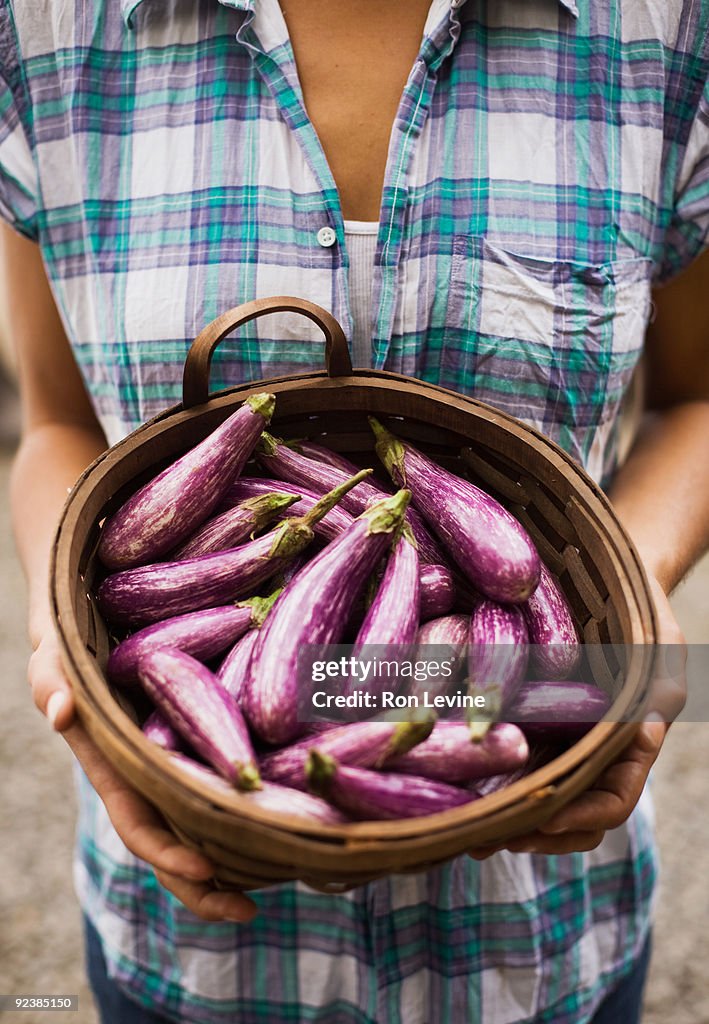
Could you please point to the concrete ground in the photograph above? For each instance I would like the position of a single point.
(40, 945)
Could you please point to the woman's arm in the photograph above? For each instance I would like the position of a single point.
(662, 492)
(60, 437)
(661, 495)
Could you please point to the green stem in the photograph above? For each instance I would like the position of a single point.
(390, 450)
(319, 770)
(248, 777)
(329, 500)
(408, 735)
(387, 514)
(263, 403)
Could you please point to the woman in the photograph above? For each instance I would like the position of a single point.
(483, 195)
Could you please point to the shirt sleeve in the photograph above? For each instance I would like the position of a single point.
(688, 232)
(18, 172)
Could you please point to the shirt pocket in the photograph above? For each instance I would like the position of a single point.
(553, 342)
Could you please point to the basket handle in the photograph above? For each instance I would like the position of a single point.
(195, 381)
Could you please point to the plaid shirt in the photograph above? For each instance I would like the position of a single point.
(546, 165)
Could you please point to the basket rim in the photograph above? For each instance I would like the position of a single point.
(92, 689)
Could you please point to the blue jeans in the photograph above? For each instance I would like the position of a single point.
(622, 1006)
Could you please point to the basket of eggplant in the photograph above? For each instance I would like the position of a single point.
(197, 559)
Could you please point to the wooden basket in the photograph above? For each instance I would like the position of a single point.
(569, 518)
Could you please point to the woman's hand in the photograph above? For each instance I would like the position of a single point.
(184, 872)
(582, 824)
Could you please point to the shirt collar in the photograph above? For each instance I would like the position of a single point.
(128, 7)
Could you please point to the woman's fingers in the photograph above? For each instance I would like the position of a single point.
(206, 902)
(51, 690)
(137, 823)
(569, 842)
(613, 796)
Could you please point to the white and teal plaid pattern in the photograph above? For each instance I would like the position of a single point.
(547, 164)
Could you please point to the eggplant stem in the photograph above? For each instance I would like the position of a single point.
(386, 515)
(264, 404)
(248, 778)
(390, 450)
(329, 500)
(319, 770)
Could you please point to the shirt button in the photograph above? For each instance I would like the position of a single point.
(326, 237)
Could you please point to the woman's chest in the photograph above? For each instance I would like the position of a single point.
(353, 61)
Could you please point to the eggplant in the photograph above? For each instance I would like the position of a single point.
(246, 487)
(437, 591)
(392, 619)
(555, 711)
(270, 796)
(448, 631)
(314, 609)
(556, 651)
(158, 730)
(282, 460)
(233, 671)
(154, 592)
(203, 634)
(498, 648)
(443, 641)
(320, 453)
(234, 526)
(360, 744)
(491, 547)
(379, 796)
(450, 755)
(165, 511)
(200, 709)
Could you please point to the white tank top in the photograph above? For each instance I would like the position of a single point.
(361, 242)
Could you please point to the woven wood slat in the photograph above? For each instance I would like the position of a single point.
(486, 475)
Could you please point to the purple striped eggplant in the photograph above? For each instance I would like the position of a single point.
(492, 548)
(555, 710)
(233, 671)
(202, 634)
(282, 460)
(234, 526)
(498, 648)
(271, 796)
(359, 744)
(313, 609)
(245, 487)
(379, 796)
(450, 755)
(320, 453)
(441, 644)
(198, 707)
(556, 652)
(437, 591)
(154, 592)
(449, 632)
(165, 511)
(158, 730)
(391, 622)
